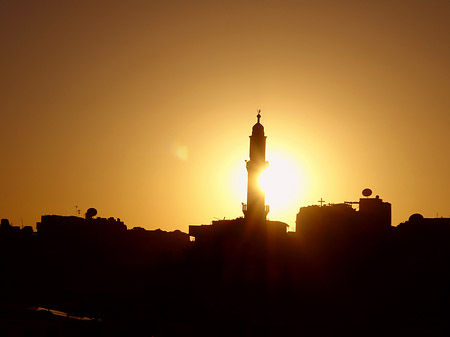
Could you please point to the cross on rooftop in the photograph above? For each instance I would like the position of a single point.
(321, 202)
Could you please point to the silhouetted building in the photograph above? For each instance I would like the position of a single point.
(373, 214)
(234, 230)
(63, 226)
(107, 240)
(417, 223)
(6, 229)
(322, 218)
(5, 225)
(148, 246)
(254, 224)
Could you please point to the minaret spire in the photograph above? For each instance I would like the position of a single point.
(255, 210)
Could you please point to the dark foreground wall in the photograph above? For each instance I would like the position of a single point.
(394, 282)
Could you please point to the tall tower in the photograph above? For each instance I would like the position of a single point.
(255, 211)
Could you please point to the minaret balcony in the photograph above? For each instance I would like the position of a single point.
(245, 208)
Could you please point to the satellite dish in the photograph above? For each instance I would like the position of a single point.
(90, 213)
(367, 192)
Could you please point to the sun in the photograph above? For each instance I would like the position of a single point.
(283, 183)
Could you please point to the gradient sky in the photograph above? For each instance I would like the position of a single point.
(142, 109)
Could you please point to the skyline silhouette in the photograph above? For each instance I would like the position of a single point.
(255, 209)
(141, 110)
(342, 272)
(116, 106)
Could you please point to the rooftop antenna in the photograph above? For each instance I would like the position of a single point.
(259, 114)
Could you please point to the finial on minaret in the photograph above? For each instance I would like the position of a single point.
(259, 114)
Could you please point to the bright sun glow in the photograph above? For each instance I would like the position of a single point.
(282, 182)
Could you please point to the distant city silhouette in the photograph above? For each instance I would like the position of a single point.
(345, 271)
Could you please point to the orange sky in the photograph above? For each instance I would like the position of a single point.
(143, 109)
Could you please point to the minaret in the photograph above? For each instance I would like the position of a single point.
(256, 211)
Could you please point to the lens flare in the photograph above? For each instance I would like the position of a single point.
(180, 151)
